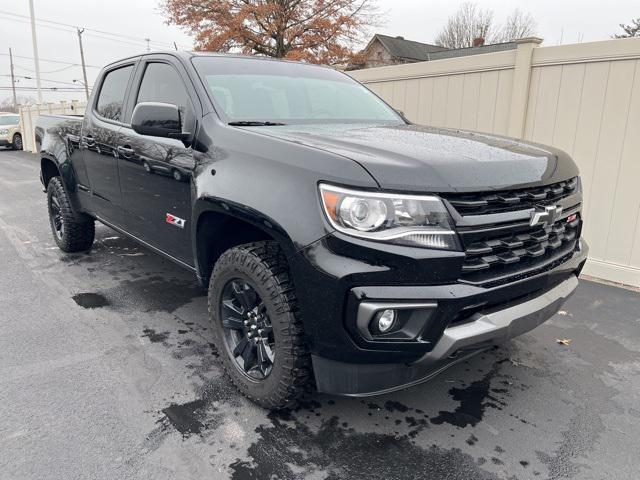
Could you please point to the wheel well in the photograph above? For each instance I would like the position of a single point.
(49, 170)
(217, 233)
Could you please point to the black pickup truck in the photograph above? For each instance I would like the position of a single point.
(339, 243)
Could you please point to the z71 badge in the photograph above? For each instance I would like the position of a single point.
(172, 220)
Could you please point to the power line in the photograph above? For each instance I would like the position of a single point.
(138, 43)
(43, 79)
(50, 61)
(49, 89)
(141, 40)
(48, 71)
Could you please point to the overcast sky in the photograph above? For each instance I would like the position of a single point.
(559, 21)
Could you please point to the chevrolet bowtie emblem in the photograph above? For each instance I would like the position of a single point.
(545, 217)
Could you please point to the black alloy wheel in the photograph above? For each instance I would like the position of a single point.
(55, 210)
(256, 325)
(248, 334)
(72, 231)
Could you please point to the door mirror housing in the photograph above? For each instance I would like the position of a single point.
(156, 119)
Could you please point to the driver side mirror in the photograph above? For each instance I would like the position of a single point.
(156, 119)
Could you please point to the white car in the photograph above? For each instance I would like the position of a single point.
(10, 131)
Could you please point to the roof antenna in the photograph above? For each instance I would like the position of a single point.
(175, 46)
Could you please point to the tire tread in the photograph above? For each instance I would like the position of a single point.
(79, 230)
(268, 263)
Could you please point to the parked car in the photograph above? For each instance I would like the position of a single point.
(339, 242)
(10, 132)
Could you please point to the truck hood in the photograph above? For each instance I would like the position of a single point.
(427, 159)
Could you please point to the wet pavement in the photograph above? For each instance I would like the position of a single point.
(107, 371)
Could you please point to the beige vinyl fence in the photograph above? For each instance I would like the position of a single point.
(28, 116)
(582, 98)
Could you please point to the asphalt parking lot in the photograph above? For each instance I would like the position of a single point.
(107, 372)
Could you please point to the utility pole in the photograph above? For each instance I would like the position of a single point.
(35, 50)
(13, 80)
(148, 40)
(84, 68)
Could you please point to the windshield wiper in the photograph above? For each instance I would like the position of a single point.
(254, 123)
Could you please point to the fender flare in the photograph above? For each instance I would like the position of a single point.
(247, 215)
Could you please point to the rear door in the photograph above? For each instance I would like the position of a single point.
(99, 141)
(155, 173)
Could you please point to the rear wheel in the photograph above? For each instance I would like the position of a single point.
(16, 143)
(72, 232)
(256, 325)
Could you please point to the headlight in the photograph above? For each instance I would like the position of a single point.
(419, 221)
(4, 132)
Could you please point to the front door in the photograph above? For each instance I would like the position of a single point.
(100, 137)
(155, 173)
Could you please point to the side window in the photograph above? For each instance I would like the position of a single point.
(161, 83)
(112, 93)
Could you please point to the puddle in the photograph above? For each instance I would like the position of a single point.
(91, 300)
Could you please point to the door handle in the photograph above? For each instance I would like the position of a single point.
(126, 151)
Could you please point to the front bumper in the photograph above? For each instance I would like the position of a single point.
(4, 142)
(457, 343)
(336, 276)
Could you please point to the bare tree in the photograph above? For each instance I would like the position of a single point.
(6, 105)
(518, 25)
(471, 22)
(467, 24)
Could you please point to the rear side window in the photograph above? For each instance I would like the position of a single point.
(161, 83)
(111, 96)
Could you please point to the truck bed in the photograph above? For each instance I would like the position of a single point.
(65, 127)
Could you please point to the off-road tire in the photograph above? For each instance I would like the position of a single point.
(264, 265)
(16, 142)
(79, 229)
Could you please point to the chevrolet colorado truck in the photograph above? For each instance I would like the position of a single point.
(342, 246)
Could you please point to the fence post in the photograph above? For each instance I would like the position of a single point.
(521, 81)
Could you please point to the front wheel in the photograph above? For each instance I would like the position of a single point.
(16, 143)
(256, 325)
(72, 232)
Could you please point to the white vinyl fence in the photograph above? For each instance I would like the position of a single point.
(28, 116)
(582, 98)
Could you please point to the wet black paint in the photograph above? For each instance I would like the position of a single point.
(288, 451)
(473, 402)
(202, 415)
(392, 406)
(153, 294)
(91, 300)
(155, 337)
(185, 417)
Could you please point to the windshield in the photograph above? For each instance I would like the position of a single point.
(285, 92)
(9, 120)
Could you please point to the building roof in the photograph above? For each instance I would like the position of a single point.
(464, 52)
(401, 48)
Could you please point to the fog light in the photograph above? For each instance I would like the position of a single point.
(385, 320)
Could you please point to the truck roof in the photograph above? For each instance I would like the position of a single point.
(187, 55)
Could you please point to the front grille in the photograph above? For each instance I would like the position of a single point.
(505, 253)
(510, 200)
